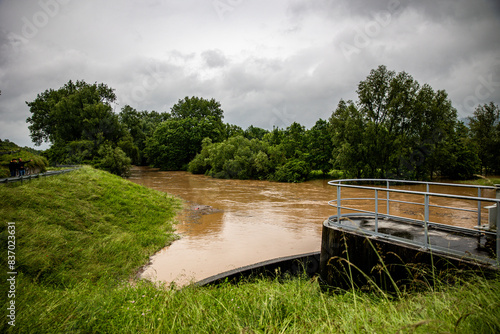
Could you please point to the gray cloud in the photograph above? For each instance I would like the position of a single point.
(269, 64)
(214, 58)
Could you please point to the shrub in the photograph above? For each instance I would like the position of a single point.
(113, 160)
(292, 171)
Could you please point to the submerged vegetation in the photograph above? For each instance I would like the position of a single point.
(82, 236)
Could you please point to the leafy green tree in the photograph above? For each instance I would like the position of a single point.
(235, 158)
(176, 142)
(320, 147)
(294, 142)
(76, 111)
(274, 137)
(397, 128)
(140, 126)
(199, 108)
(233, 131)
(349, 139)
(77, 119)
(485, 134)
(253, 132)
(459, 159)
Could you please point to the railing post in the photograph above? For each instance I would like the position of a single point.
(426, 221)
(479, 208)
(338, 202)
(376, 210)
(498, 223)
(388, 208)
(498, 233)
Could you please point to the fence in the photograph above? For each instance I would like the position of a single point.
(35, 176)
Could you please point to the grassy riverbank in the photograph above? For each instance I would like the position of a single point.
(483, 181)
(82, 236)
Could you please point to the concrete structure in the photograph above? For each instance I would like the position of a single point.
(290, 265)
(372, 247)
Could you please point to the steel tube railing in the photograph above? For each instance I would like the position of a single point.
(427, 195)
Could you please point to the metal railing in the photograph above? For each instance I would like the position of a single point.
(35, 176)
(384, 185)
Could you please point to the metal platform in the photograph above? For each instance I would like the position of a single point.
(461, 243)
(372, 219)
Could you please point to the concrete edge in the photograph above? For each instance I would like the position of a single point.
(293, 264)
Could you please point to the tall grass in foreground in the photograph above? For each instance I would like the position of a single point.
(295, 305)
(82, 235)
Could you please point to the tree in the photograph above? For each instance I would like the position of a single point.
(78, 120)
(485, 133)
(293, 171)
(176, 142)
(76, 111)
(294, 142)
(319, 146)
(199, 108)
(232, 130)
(140, 126)
(459, 159)
(253, 132)
(397, 128)
(349, 138)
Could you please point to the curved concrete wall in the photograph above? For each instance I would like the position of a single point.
(292, 265)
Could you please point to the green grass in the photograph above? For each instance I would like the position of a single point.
(295, 305)
(82, 236)
(85, 223)
(482, 181)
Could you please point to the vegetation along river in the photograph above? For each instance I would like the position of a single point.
(227, 224)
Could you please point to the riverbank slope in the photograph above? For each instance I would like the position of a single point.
(81, 237)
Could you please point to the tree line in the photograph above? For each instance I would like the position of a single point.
(397, 128)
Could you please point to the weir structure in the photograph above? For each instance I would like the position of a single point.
(384, 237)
(388, 238)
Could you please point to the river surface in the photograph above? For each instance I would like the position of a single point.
(227, 224)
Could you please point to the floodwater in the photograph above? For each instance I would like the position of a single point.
(227, 224)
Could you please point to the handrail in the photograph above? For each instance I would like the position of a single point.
(413, 182)
(426, 195)
(35, 176)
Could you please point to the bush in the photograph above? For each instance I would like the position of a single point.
(293, 171)
(113, 160)
(336, 174)
(201, 163)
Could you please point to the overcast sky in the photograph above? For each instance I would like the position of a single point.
(269, 63)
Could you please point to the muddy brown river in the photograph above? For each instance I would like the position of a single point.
(227, 224)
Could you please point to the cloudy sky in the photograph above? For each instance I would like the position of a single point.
(269, 63)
